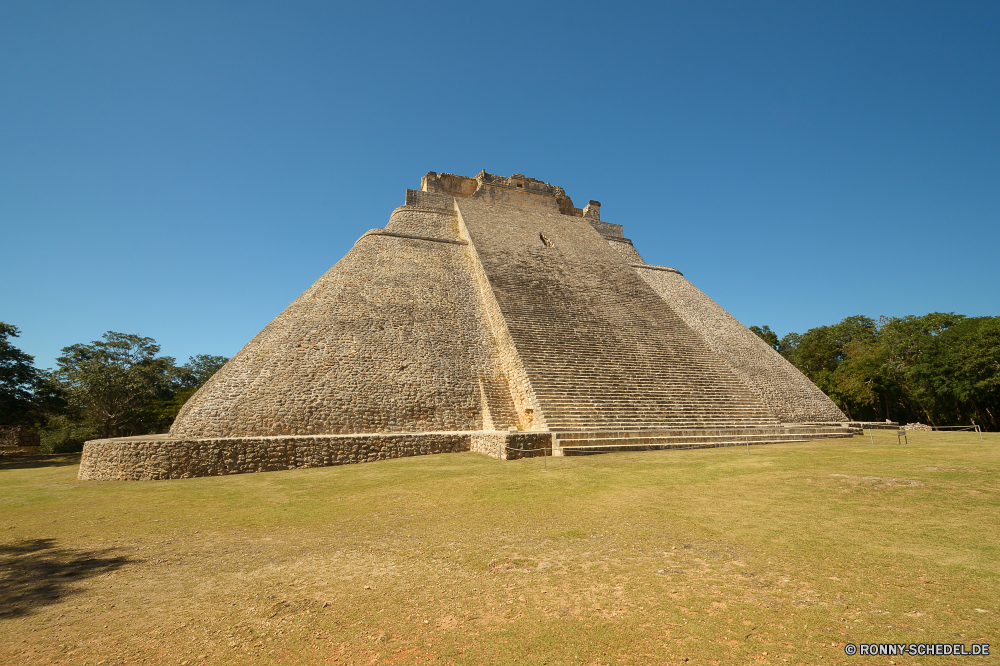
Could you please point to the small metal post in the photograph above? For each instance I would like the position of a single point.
(870, 435)
(546, 457)
(979, 431)
(747, 438)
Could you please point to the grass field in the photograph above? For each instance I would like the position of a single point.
(709, 556)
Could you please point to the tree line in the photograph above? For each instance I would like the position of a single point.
(117, 386)
(938, 369)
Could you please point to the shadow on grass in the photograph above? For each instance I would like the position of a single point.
(52, 460)
(36, 572)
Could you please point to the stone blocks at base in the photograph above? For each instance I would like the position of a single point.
(154, 457)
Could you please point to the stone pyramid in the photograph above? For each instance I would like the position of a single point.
(490, 314)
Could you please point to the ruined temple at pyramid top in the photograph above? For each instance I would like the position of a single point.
(490, 314)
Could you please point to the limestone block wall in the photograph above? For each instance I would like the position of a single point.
(527, 445)
(158, 457)
(788, 394)
(624, 249)
(512, 445)
(392, 339)
(514, 197)
(607, 229)
(19, 441)
(423, 222)
(600, 348)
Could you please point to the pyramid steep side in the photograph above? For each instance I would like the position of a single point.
(599, 347)
(393, 338)
(788, 394)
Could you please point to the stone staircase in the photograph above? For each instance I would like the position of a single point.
(583, 442)
(600, 349)
(644, 371)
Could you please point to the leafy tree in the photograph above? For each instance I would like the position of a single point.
(820, 352)
(199, 369)
(965, 374)
(941, 368)
(18, 378)
(767, 335)
(119, 386)
(911, 350)
(188, 378)
(111, 382)
(65, 433)
(28, 396)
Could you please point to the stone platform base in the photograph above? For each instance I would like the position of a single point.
(160, 457)
(607, 441)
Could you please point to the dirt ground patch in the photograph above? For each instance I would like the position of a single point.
(705, 555)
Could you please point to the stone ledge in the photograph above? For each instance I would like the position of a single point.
(18, 451)
(153, 457)
(651, 267)
(422, 209)
(383, 232)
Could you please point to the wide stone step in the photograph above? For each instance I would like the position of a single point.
(568, 443)
(680, 400)
(663, 417)
(686, 405)
(657, 418)
(745, 432)
(751, 432)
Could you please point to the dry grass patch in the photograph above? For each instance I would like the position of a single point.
(709, 555)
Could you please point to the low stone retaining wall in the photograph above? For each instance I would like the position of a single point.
(512, 445)
(18, 441)
(159, 457)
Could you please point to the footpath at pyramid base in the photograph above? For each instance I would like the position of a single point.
(491, 315)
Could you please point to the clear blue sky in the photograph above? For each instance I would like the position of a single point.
(185, 170)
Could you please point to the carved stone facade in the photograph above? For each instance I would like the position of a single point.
(487, 309)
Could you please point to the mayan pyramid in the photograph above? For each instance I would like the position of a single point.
(489, 314)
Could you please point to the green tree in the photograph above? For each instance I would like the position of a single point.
(199, 369)
(767, 335)
(188, 378)
(28, 396)
(964, 374)
(18, 378)
(911, 351)
(119, 386)
(820, 352)
(112, 382)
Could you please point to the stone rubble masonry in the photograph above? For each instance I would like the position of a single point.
(18, 441)
(391, 339)
(787, 393)
(624, 248)
(157, 457)
(488, 314)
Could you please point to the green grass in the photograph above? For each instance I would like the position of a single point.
(710, 555)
